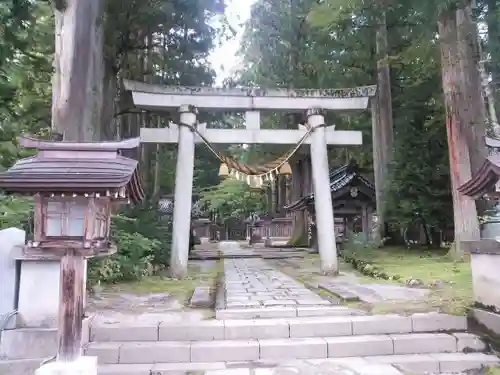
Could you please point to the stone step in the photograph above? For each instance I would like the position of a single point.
(20, 366)
(281, 349)
(285, 312)
(420, 363)
(299, 327)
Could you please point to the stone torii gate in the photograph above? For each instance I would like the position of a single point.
(250, 101)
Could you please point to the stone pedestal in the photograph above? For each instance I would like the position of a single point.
(82, 366)
(39, 293)
(485, 263)
(486, 279)
(9, 239)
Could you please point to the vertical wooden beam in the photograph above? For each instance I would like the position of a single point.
(70, 307)
(274, 195)
(364, 221)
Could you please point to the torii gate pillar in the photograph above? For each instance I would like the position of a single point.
(325, 223)
(183, 193)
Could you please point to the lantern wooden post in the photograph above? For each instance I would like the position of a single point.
(71, 306)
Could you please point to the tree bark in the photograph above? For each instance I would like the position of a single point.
(473, 106)
(493, 21)
(382, 124)
(464, 208)
(77, 87)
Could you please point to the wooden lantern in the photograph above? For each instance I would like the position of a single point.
(75, 186)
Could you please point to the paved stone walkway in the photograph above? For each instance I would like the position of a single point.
(254, 283)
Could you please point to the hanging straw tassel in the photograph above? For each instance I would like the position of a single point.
(223, 170)
(285, 169)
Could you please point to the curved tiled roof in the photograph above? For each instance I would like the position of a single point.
(339, 178)
(166, 207)
(74, 168)
(484, 180)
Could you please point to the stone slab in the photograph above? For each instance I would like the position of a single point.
(431, 322)
(295, 348)
(488, 319)
(9, 238)
(320, 327)
(327, 311)
(159, 368)
(82, 366)
(253, 313)
(124, 332)
(359, 346)
(256, 329)
(163, 351)
(23, 343)
(202, 297)
(39, 293)
(381, 324)
(468, 343)
(422, 343)
(413, 363)
(227, 350)
(340, 292)
(203, 331)
(128, 369)
(20, 366)
(106, 352)
(459, 362)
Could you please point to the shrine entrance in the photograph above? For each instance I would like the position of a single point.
(233, 230)
(314, 133)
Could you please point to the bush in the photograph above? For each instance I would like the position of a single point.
(15, 212)
(133, 260)
(145, 221)
(350, 254)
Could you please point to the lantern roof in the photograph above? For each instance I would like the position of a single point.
(75, 168)
(484, 180)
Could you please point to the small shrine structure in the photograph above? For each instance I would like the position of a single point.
(200, 220)
(353, 196)
(75, 187)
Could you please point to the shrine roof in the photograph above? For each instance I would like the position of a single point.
(166, 207)
(75, 168)
(484, 180)
(340, 178)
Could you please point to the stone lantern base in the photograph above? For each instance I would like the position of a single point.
(485, 265)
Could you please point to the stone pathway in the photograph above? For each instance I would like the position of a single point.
(254, 283)
(373, 293)
(350, 287)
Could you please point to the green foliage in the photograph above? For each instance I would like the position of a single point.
(182, 33)
(144, 220)
(305, 43)
(233, 199)
(133, 260)
(14, 212)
